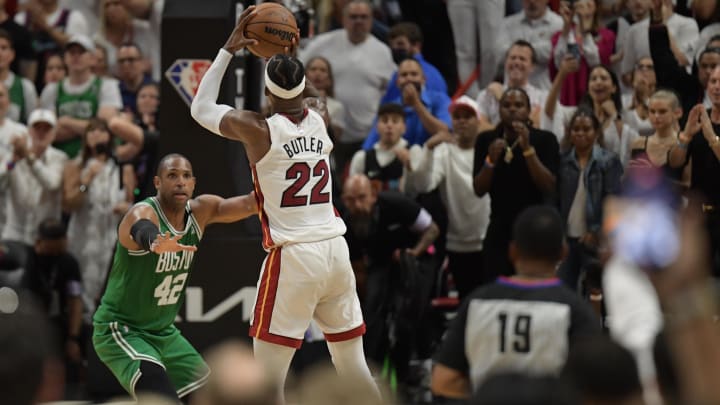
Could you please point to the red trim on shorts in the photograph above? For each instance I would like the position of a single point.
(266, 302)
(267, 241)
(337, 213)
(347, 335)
(280, 340)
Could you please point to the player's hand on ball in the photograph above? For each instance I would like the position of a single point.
(237, 40)
(166, 243)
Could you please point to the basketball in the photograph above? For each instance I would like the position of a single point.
(274, 27)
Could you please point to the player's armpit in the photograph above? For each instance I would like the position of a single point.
(245, 126)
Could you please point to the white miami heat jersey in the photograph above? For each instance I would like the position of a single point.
(293, 183)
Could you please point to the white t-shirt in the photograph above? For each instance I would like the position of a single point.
(451, 169)
(683, 30)
(8, 131)
(362, 72)
(88, 8)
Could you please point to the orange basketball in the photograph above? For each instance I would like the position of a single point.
(274, 27)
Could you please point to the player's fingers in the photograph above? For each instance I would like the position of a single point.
(188, 248)
(245, 17)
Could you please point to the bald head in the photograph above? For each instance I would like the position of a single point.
(358, 195)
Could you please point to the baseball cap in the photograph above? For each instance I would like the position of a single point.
(465, 102)
(42, 115)
(82, 40)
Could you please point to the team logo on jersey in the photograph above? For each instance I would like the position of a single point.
(185, 76)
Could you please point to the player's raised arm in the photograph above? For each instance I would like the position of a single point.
(210, 208)
(139, 230)
(223, 120)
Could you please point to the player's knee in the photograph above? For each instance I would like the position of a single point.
(154, 379)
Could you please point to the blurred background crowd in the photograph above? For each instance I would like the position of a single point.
(531, 188)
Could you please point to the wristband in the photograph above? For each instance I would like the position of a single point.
(488, 163)
(681, 145)
(529, 152)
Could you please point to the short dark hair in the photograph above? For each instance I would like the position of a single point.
(163, 161)
(406, 29)
(538, 233)
(525, 44)
(707, 50)
(285, 71)
(516, 89)
(599, 368)
(391, 109)
(51, 229)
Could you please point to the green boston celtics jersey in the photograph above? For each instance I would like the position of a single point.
(81, 106)
(145, 289)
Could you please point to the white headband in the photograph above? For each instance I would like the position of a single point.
(282, 93)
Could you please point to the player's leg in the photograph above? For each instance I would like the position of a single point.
(286, 297)
(338, 314)
(186, 368)
(276, 360)
(132, 359)
(154, 379)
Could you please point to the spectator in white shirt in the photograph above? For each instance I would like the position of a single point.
(535, 24)
(31, 178)
(362, 66)
(519, 62)
(447, 163)
(8, 130)
(683, 32)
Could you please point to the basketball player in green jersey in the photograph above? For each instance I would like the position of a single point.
(134, 334)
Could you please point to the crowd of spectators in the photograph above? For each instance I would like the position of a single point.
(553, 188)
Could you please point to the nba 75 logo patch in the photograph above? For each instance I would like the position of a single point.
(185, 76)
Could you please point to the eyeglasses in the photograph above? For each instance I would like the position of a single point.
(127, 60)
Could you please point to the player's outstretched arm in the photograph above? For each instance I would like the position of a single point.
(223, 120)
(139, 230)
(210, 208)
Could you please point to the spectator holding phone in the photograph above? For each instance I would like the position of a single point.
(583, 38)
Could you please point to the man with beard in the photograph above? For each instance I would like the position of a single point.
(134, 332)
(517, 165)
(381, 227)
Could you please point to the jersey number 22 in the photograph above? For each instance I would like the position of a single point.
(301, 172)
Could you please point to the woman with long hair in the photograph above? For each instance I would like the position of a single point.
(96, 192)
(603, 99)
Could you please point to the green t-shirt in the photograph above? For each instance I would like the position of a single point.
(145, 290)
(81, 106)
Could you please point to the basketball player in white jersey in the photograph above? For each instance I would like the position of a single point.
(307, 273)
